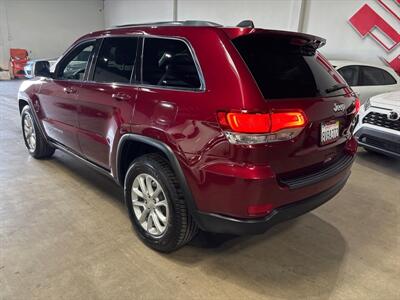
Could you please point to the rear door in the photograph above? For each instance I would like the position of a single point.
(292, 75)
(58, 96)
(106, 100)
(170, 82)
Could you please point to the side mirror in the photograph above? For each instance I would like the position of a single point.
(41, 68)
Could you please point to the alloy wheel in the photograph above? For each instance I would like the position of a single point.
(29, 132)
(150, 204)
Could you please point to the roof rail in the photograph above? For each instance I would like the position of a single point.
(173, 23)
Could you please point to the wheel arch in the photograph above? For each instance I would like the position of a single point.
(22, 103)
(24, 100)
(150, 145)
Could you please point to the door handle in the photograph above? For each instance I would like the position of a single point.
(69, 90)
(121, 97)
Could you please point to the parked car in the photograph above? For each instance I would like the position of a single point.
(226, 129)
(367, 80)
(378, 129)
(18, 59)
(28, 69)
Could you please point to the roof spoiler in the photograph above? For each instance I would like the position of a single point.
(246, 24)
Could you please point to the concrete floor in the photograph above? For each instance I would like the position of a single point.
(65, 234)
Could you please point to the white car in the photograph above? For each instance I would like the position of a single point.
(378, 125)
(367, 80)
(28, 69)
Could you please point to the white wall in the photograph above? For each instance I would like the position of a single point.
(120, 12)
(274, 14)
(329, 19)
(45, 27)
(326, 18)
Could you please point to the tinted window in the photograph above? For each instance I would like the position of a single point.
(375, 76)
(350, 74)
(115, 60)
(74, 66)
(284, 70)
(168, 62)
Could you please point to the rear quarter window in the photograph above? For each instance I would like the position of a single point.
(375, 76)
(169, 63)
(283, 70)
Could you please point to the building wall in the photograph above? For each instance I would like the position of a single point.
(274, 14)
(326, 18)
(330, 19)
(119, 12)
(46, 28)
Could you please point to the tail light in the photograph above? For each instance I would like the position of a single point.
(357, 105)
(257, 128)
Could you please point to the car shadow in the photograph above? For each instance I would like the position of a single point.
(379, 162)
(288, 261)
(88, 176)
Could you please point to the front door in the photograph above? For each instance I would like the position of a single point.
(58, 97)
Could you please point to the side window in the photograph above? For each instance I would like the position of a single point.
(168, 62)
(116, 60)
(74, 66)
(350, 74)
(375, 76)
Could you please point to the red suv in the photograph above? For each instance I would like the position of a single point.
(224, 129)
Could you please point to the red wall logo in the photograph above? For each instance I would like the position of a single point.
(368, 22)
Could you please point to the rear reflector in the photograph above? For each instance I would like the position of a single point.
(259, 210)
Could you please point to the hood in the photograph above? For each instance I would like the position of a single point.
(388, 100)
(18, 53)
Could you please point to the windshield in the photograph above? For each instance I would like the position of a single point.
(283, 69)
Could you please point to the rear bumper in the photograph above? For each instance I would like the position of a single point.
(380, 141)
(222, 224)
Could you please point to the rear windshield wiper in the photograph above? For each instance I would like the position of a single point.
(336, 87)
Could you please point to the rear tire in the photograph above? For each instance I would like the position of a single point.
(147, 175)
(35, 142)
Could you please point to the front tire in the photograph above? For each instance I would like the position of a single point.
(156, 204)
(36, 143)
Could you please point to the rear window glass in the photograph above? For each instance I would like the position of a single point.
(283, 70)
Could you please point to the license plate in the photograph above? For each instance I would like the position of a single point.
(329, 132)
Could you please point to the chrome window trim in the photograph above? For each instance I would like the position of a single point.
(201, 89)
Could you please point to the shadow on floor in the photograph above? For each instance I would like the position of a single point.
(292, 256)
(379, 162)
(87, 175)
